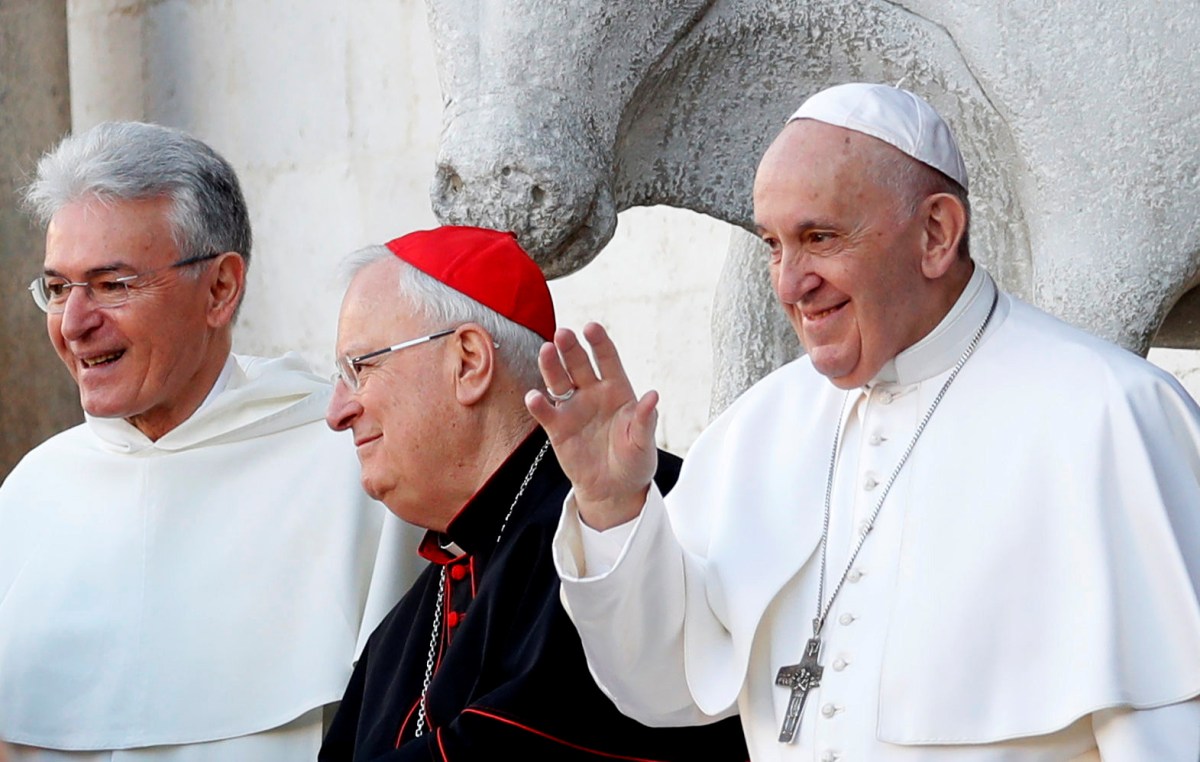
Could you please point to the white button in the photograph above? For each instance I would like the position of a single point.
(870, 482)
(839, 664)
(829, 710)
(885, 398)
(830, 756)
(863, 527)
(846, 619)
(854, 576)
(877, 439)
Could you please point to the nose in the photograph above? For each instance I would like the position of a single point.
(794, 277)
(80, 314)
(343, 408)
(556, 197)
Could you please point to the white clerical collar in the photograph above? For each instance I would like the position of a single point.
(942, 346)
(119, 433)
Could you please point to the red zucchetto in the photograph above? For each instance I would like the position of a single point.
(487, 265)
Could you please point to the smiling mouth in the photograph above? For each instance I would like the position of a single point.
(824, 313)
(98, 360)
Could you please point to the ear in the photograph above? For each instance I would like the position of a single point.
(225, 290)
(945, 222)
(475, 358)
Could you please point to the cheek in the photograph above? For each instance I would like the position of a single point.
(54, 331)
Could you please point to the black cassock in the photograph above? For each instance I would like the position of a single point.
(510, 675)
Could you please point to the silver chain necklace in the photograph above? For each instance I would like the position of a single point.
(803, 677)
(441, 596)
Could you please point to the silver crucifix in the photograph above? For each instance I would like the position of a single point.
(801, 678)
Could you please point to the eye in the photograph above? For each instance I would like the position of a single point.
(55, 289)
(107, 285)
(775, 247)
(363, 367)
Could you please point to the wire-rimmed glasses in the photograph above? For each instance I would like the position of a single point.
(105, 289)
(348, 367)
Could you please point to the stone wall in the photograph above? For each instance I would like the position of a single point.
(331, 113)
(37, 397)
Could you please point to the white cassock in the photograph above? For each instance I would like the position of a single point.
(200, 597)
(1030, 582)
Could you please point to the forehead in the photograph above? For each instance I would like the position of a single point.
(813, 164)
(373, 314)
(91, 234)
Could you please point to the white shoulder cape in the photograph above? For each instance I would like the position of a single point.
(204, 586)
(1050, 564)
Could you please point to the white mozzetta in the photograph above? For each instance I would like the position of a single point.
(208, 585)
(1033, 565)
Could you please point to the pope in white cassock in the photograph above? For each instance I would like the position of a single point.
(958, 529)
(185, 576)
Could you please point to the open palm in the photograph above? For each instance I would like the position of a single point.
(603, 435)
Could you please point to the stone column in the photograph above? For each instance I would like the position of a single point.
(37, 396)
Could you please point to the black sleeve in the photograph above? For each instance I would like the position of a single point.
(668, 471)
(535, 698)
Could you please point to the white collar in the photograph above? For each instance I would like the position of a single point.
(940, 348)
(220, 384)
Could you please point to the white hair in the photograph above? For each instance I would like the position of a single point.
(912, 182)
(129, 161)
(444, 307)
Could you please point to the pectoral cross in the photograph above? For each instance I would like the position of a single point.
(801, 678)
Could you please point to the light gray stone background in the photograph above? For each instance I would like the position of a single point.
(37, 397)
(332, 113)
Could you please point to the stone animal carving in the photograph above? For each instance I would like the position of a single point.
(1078, 122)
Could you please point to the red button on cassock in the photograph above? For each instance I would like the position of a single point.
(457, 573)
(453, 618)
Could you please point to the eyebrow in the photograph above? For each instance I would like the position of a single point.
(109, 268)
(807, 224)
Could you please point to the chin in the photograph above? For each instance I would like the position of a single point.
(100, 409)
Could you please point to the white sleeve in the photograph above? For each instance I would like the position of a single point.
(581, 552)
(1166, 734)
(630, 615)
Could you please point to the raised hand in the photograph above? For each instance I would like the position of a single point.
(602, 434)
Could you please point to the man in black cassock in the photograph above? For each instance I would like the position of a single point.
(438, 340)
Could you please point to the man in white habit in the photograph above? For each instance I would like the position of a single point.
(958, 529)
(186, 575)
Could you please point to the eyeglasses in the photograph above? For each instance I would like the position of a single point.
(348, 367)
(105, 289)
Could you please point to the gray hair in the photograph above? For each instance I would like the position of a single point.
(912, 182)
(444, 307)
(131, 161)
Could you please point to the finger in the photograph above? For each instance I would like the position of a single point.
(574, 358)
(608, 362)
(542, 410)
(554, 374)
(644, 421)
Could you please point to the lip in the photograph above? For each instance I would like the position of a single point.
(366, 440)
(815, 316)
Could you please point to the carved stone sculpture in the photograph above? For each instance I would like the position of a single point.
(1078, 122)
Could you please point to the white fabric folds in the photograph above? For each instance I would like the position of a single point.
(1048, 567)
(208, 585)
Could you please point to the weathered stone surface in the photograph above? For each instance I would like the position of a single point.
(37, 396)
(1077, 121)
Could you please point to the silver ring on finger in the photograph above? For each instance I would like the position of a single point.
(558, 399)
